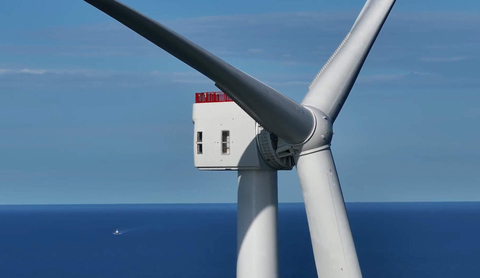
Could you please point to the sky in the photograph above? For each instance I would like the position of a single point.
(90, 112)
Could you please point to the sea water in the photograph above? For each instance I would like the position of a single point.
(392, 239)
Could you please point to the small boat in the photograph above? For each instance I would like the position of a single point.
(117, 233)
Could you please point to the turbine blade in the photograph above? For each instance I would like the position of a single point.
(274, 111)
(332, 242)
(330, 88)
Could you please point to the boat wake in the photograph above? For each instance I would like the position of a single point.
(118, 232)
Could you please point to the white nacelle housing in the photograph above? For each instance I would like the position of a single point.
(224, 135)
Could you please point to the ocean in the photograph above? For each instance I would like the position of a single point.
(393, 240)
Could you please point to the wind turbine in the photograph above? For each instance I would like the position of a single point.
(300, 131)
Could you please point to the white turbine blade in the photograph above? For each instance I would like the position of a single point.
(333, 83)
(274, 111)
(332, 242)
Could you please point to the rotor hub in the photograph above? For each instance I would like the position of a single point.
(321, 136)
(279, 155)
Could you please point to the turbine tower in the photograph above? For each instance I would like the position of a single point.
(271, 132)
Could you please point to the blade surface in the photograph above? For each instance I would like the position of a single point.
(332, 242)
(333, 83)
(274, 111)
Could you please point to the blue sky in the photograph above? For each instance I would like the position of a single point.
(92, 113)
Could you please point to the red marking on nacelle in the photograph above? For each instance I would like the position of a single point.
(211, 97)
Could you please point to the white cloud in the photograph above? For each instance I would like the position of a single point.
(380, 78)
(30, 71)
(443, 59)
(26, 71)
